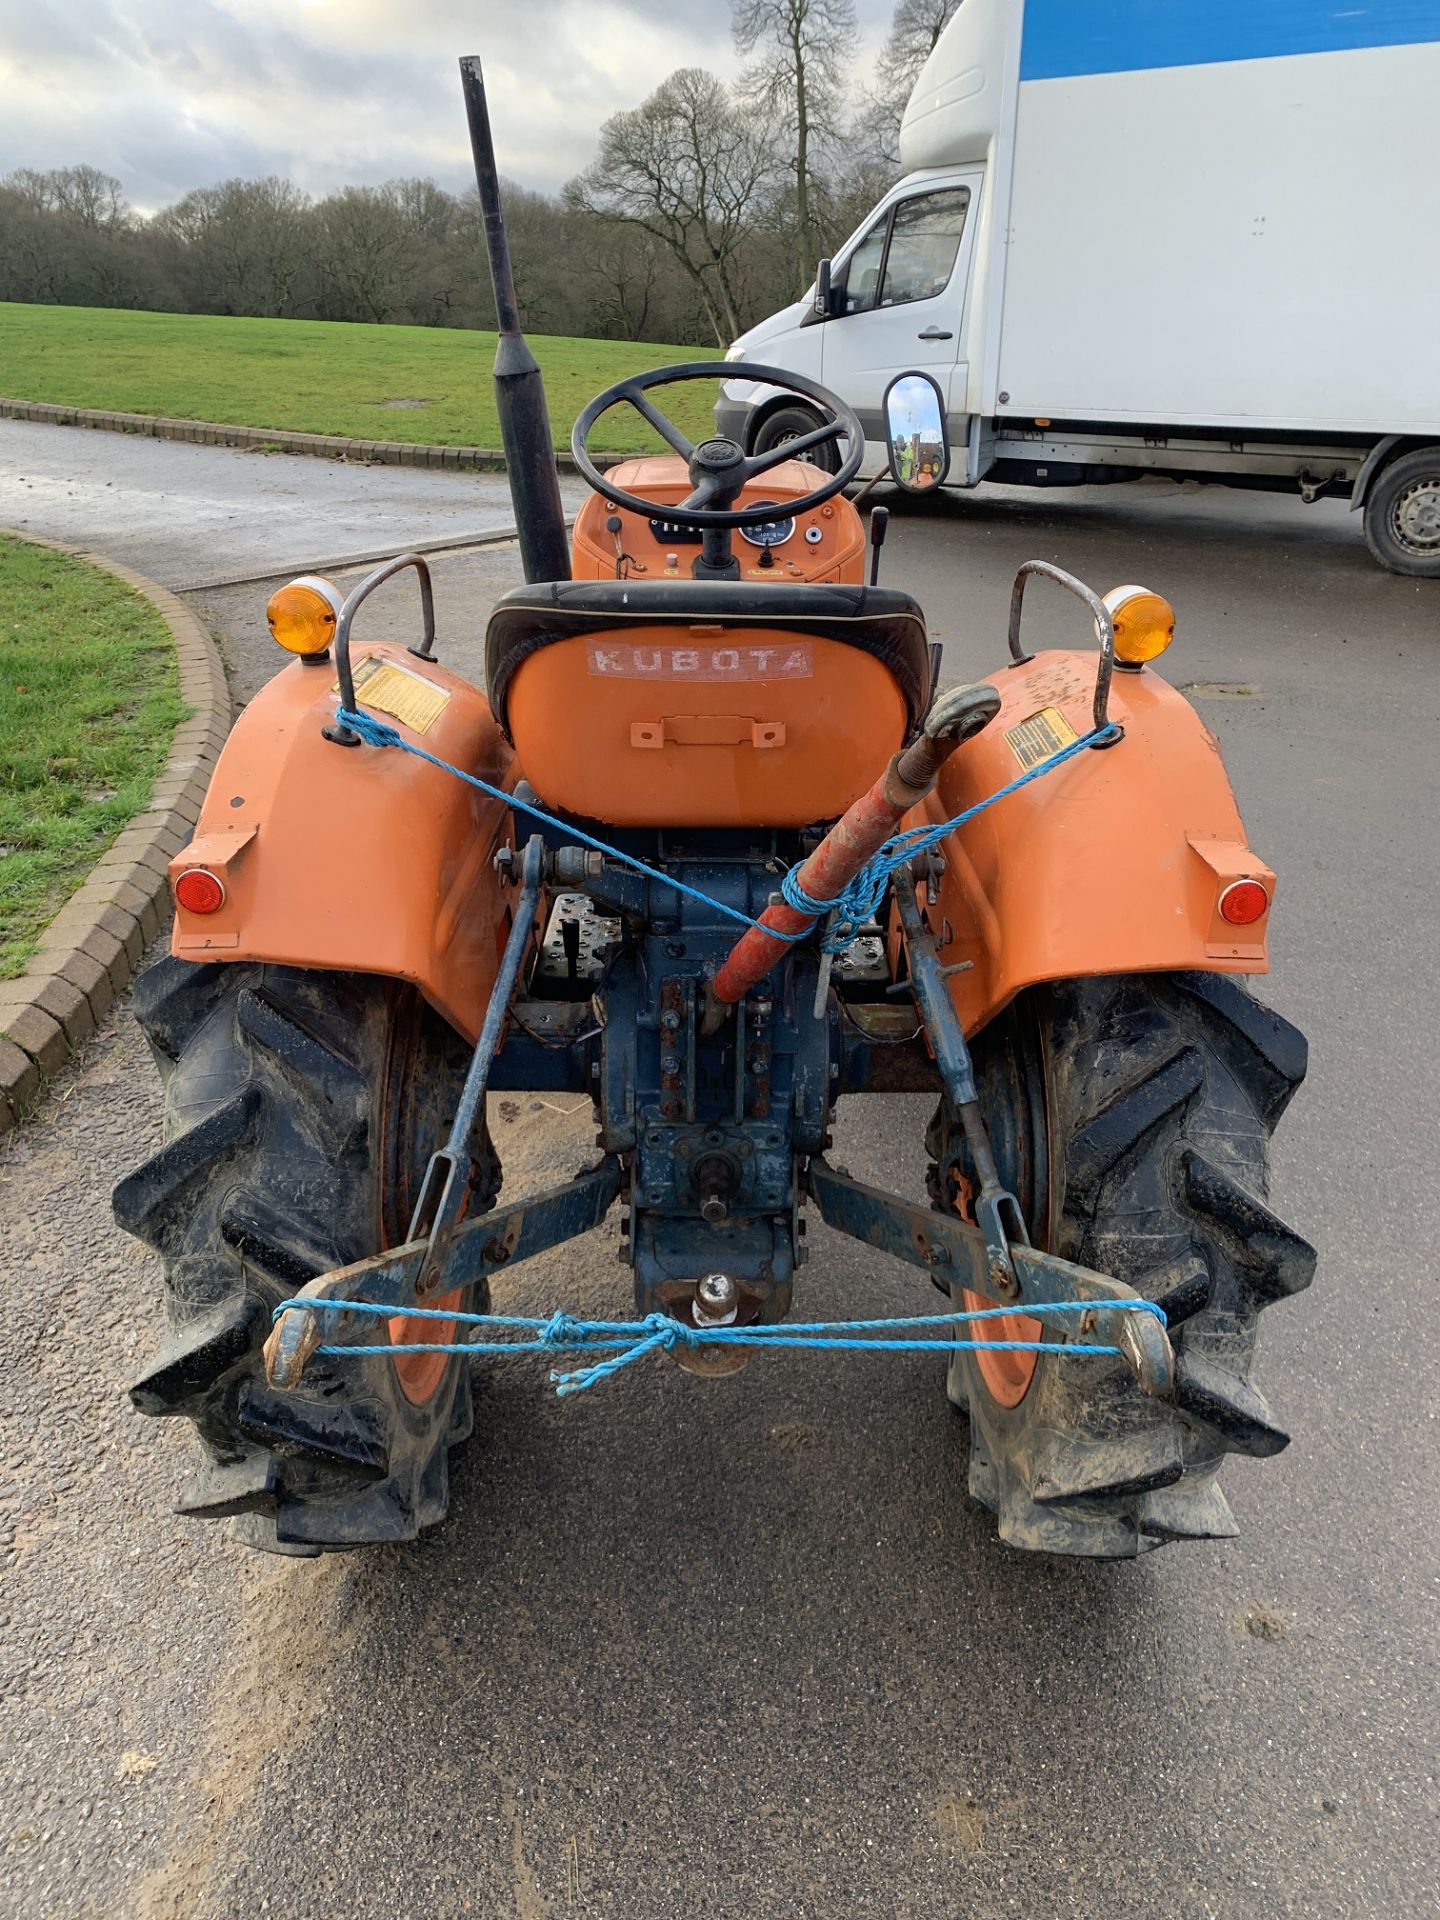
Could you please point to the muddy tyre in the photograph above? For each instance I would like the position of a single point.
(300, 1109)
(1132, 1117)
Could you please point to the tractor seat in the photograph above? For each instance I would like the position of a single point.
(705, 703)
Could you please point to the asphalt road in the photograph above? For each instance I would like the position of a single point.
(744, 1648)
(190, 515)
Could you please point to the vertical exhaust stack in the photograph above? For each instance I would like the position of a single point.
(519, 388)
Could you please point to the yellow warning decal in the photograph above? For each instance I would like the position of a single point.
(1044, 733)
(396, 690)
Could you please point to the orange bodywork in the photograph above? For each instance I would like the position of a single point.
(828, 542)
(1114, 863)
(357, 858)
(370, 860)
(697, 727)
(671, 724)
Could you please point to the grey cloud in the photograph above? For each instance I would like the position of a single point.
(174, 94)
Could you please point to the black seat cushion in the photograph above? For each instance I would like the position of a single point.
(887, 625)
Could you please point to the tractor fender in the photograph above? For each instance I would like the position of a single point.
(1112, 863)
(357, 858)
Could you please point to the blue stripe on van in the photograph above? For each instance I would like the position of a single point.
(1121, 36)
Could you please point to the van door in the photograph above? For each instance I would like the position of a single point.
(900, 303)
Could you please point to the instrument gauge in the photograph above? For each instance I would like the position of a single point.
(769, 533)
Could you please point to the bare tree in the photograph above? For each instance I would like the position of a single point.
(369, 252)
(677, 234)
(446, 280)
(69, 237)
(689, 168)
(245, 244)
(93, 199)
(806, 49)
(915, 29)
(84, 195)
(623, 269)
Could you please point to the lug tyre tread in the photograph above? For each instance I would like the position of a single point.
(1163, 1092)
(270, 1173)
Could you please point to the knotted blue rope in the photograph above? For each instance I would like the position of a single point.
(851, 909)
(856, 905)
(628, 1340)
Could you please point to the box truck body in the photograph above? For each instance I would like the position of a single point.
(1193, 237)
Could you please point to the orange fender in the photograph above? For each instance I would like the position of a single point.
(1113, 863)
(357, 858)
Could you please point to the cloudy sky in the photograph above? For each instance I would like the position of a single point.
(174, 94)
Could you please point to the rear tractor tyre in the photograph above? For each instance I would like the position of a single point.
(1132, 1118)
(300, 1111)
(789, 423)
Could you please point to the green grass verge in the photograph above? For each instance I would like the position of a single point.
(89, 697)
(320, 376)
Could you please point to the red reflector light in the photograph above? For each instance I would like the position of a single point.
(199, 892)
(1243, 903)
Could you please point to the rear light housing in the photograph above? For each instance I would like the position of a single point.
(198, 890)
(1244, 902)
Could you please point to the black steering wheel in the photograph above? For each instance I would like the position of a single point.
(719, 470)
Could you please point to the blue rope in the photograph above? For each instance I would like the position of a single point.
(856, 905)
(375, 733)
(629, 1340)
(852, 909)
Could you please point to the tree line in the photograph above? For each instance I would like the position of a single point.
(705, 208)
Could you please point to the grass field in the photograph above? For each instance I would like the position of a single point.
(89, 697)
(319, 376)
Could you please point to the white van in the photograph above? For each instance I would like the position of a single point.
(1195, 239)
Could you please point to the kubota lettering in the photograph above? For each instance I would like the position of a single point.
(627, 662)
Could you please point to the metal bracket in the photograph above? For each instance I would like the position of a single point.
(342, 735)
(1104, 627)
(997, 1211)
(474, 1249)
(447, 1178)
(943, 1243)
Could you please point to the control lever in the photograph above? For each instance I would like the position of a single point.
(879, 527)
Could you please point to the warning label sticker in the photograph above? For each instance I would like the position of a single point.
(1044, 733)
(395, 690)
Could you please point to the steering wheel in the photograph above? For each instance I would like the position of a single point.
(719, 470)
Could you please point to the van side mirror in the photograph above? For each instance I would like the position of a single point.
(915, 432)
(823, 295)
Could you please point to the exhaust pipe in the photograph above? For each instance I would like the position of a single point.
(519, 388)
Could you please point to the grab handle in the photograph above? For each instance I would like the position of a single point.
(342, 735)
(1104, 625)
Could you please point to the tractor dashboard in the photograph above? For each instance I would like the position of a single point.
(615, 543)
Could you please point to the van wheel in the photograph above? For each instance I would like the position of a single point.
(1402, 514)
(789, 423)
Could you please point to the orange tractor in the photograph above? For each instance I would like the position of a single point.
(713, 849)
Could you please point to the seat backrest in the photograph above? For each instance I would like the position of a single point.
(715, 703)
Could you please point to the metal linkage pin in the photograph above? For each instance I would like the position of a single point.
(717, 1301)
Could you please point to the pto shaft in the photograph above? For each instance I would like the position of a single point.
(855, 838)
